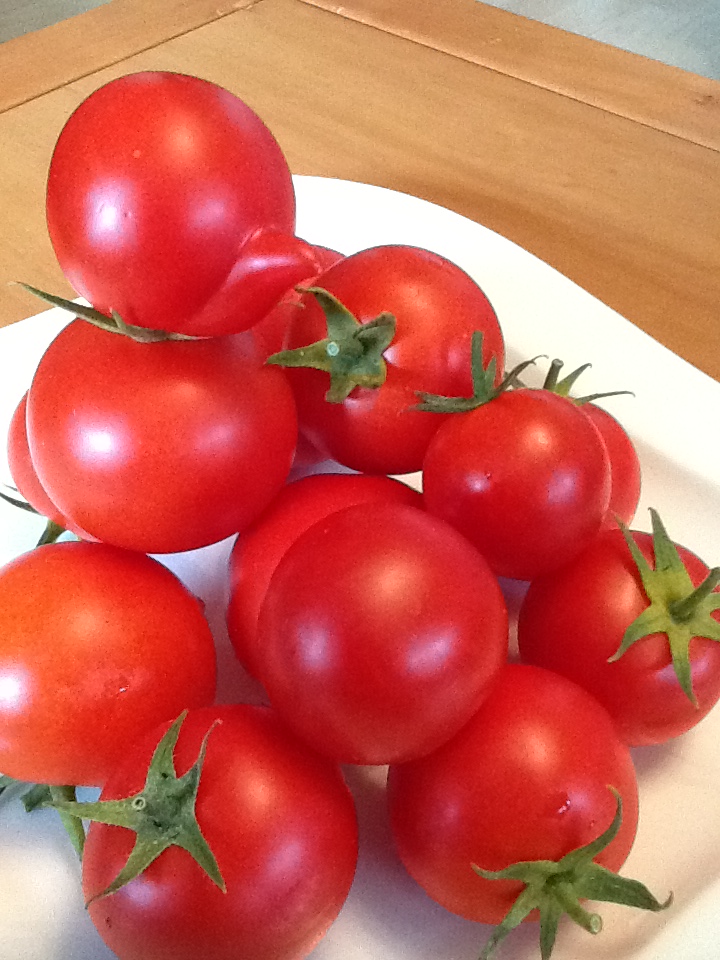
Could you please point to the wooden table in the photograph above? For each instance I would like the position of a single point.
(603, 163)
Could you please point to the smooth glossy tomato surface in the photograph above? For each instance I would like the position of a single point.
(170, 202)
(573, 621)
(159, 447)
(281, 823)
(625, 478)
(381, 631)
(437, 307)
(526, 779)
(525, 477)
(296, 508)
(97, 645)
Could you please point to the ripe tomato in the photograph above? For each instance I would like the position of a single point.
(23, 471)
(170, 202)
(526, 477)
(573, 620)
(296, 508)
(159, 447)
(526, 779)
(380, 633)
(625, 476)
(97, 645)
(281, 823)
(437, 307)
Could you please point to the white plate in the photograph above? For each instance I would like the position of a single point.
(387, 917)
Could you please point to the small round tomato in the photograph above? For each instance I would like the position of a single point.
(573, 621)
(97, 645)
(436, 307)
(380, 633)
(170, 202)
(296, 508)
(281, 824)
(159, 447)
(525, 476)
(23, 471)
(625, 476)
(526, 779)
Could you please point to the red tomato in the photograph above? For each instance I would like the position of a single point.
(23, 471)
(526, 477)
(170, 202)
(281, 823)
(526, 779)
(380, 632)
(624, 466)
(437, 307)
(573, 620)
(296, 508)
(159, 447)
(96, 646)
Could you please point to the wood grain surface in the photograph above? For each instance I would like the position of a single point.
(624, 208)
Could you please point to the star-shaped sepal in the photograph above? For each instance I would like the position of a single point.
(352, 352)
(557, 887)
(161, 815)
(677, 608)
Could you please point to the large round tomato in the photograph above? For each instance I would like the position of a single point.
(294, 510)
(170, 202)
(437, 307)
(281, 824)
(526, 779)
(526, 477)
(573, 621)
(380, 633)
(159, 447)
(97, 645)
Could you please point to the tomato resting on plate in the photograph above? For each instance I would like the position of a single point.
(575, 621)
(295, 509)
(537, 773)
(170, 202)
(159, 447)
(279, 821)
(380, 633)
(97, 645)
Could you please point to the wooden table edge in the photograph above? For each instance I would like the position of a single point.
(632, 86)
(37, 63)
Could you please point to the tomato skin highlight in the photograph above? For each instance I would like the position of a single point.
(159, 447)
(526, 779)
(525, 477)
(258, 550)
(281, 823)
(380, 634)
(437, 307)
(97, 645)
(170, 202)
(573, 620)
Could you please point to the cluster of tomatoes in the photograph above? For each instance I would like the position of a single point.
(166, 417)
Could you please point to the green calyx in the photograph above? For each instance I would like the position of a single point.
(483, 382)
(35, 795)
(677, 608)
(112, 324)
(161, 815)
(563, 387)
(556, 887)
(352, 352)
